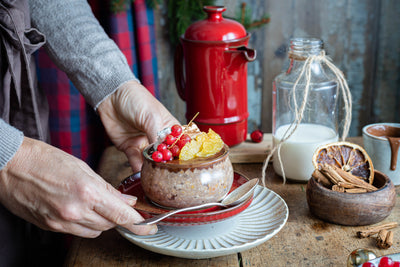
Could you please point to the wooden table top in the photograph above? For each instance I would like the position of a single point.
(303, 241)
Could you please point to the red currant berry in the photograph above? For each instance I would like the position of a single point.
(176, 130)
(157, 156)
(175, 150)
(170, 139)
(257, 136)
(368, 264)
(385, 262)
(161, 147)
(396, 264)
(184, 140)
(167, 155)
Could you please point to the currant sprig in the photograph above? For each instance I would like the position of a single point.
(171, 147)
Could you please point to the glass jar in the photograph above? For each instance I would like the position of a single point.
(317, 124)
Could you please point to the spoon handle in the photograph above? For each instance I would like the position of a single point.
(162, 216)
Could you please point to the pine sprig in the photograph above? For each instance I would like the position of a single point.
(244, 17)
(182, 13)
(117, 6)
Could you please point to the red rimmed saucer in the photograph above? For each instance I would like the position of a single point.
(131, 186)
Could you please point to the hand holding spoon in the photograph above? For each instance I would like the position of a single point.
(237, 196)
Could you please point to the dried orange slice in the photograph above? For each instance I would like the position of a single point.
(347, 156)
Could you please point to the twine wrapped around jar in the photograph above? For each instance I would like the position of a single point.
(305, 74)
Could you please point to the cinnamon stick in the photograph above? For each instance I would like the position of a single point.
(384, 239)
(321, 178)
(347, 185)
(374, 230)
(353, 179)
(331, 174)
(356, 190)
(338, 188)
(330, 178)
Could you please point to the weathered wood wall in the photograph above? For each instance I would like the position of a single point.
(361, 36)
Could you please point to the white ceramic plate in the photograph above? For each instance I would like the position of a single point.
(264, 218)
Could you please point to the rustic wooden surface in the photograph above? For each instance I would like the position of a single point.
(303, 241)
(250, 152)
(361, 36)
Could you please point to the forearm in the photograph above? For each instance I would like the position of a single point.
(10, 140)
(77, 43)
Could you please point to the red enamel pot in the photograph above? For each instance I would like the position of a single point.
(211, 74)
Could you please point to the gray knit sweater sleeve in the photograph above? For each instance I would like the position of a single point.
(77, 43)
(10, 141)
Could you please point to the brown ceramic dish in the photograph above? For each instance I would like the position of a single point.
(349, 208)
(179, 184)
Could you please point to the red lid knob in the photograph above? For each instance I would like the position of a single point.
(215, 27)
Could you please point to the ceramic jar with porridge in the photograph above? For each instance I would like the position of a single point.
(200, 172)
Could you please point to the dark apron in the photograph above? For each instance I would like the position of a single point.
(25, 107)
(21, 103)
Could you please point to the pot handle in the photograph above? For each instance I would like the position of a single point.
(249, 53)
(178, 71)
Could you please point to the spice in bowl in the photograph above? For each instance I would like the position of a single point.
(344, 167)
(346, 189)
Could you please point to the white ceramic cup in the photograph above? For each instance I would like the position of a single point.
(378, 149)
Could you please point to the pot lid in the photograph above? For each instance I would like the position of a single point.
(215, 27)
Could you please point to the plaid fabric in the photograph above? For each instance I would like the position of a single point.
(146, 46)
(74, 127)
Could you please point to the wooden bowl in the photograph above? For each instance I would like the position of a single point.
(352, 208)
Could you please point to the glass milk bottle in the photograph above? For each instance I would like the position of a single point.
(317, 124)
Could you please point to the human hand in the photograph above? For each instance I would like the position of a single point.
(132, 117)
(59, 192)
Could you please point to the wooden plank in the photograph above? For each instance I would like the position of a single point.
(165, 61)
(111, 249)
(250, 152)
(387, 84)
(275, 38)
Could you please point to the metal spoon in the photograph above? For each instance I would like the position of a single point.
(237, 196)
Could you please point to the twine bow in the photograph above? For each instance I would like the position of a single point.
(299, 111)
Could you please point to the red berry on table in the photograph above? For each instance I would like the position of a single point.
(396, 264)
(183, 140)
(157, 156)
(161, 147)
(167, 155)
(170, 139)
(176, 130)
(175, 150)
(257, 136)
(385, 262)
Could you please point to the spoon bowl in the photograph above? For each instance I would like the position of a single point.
(236, 197)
